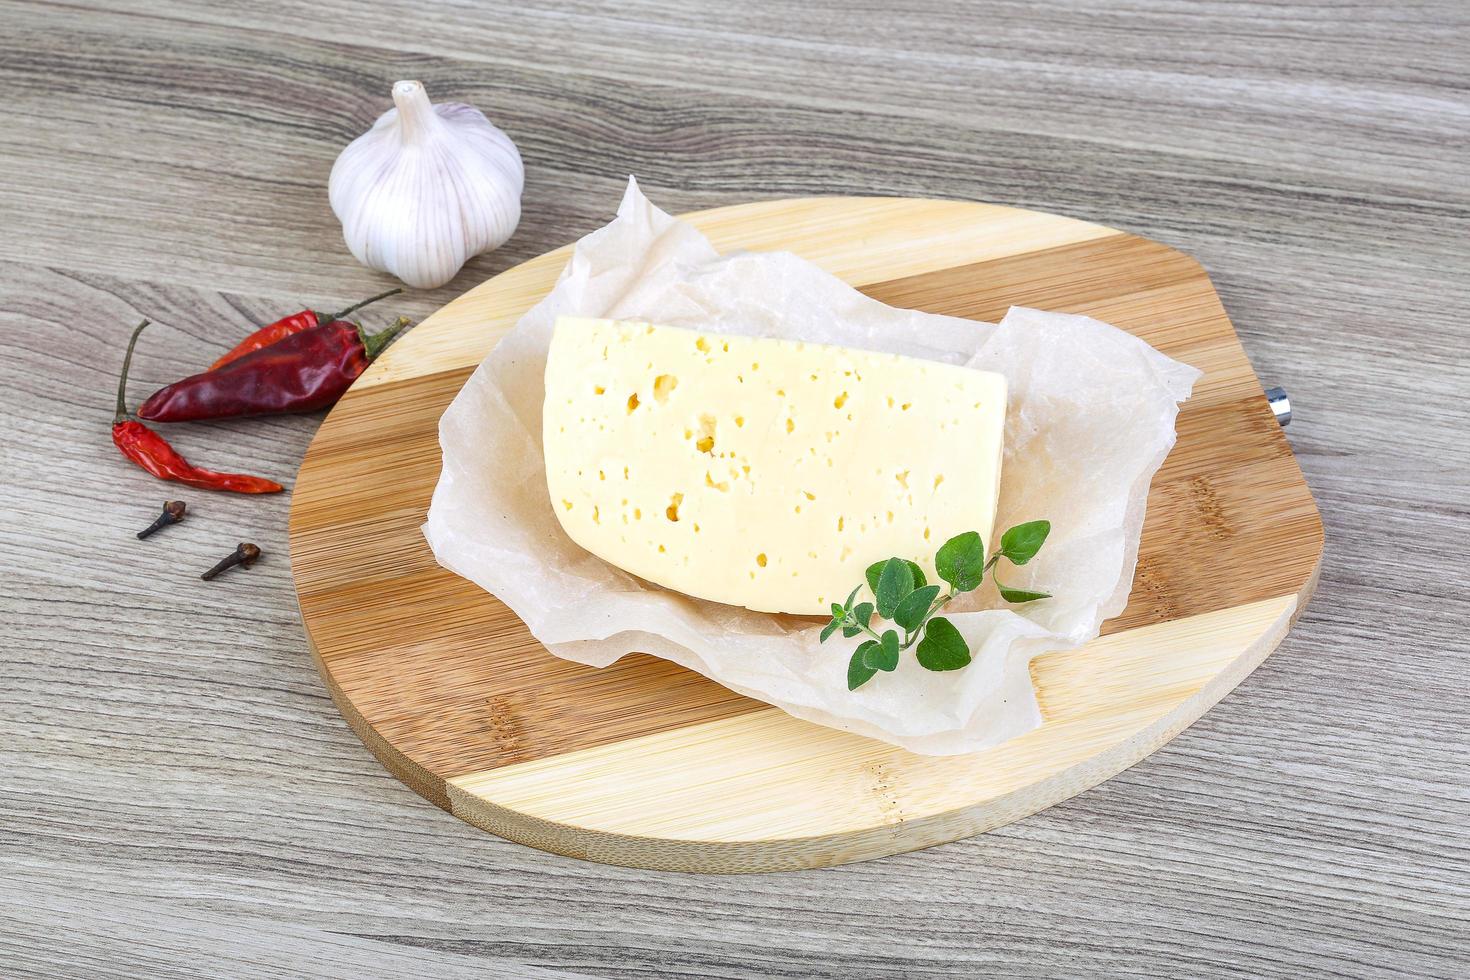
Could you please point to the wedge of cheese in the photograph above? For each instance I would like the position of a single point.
(762, 473)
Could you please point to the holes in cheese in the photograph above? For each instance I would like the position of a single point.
(706, 441)
(817, 453)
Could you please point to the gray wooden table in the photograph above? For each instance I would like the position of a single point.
(178, 796)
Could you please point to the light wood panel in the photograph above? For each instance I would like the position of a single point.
(765, 791)
(455, 696)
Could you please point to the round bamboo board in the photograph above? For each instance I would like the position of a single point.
(650, 765)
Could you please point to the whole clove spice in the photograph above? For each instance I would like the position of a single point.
(173, 512)
(244, 556)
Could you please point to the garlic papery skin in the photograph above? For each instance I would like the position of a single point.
(427, 188)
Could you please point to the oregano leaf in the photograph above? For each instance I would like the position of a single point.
(828, 630)
(960, 561)
(853, 595)
(942, 647)
(911, 612)
(863, 613)
(919, 580)
(881, 656)
(876, 569)
(894, 585)
(851, 631)
(1021, 543)
(1020, 595)
(887, 654)
(859, 673)
(872, 574)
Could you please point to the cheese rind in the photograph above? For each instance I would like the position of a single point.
(762, 473)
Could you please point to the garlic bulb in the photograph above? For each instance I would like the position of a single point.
(426, 189)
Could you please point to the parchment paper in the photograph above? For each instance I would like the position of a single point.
(1090, 419)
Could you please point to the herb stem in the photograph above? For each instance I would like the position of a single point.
(851, 620)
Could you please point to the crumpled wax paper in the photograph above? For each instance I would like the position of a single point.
(1090, 419)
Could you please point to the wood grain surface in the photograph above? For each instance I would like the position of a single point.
(178, 796)
(455, 696)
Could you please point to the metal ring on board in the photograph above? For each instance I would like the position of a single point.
(1280, 404)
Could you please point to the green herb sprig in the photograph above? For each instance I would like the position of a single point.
(903, 597)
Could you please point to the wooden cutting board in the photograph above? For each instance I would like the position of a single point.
(647, 764)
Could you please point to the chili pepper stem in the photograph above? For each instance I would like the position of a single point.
(357, 306)
(373, 344)
(122, 381)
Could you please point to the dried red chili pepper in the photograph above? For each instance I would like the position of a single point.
(300, 373)
(152, 452)
(288, 325)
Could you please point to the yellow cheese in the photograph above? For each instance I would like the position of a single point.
(762, 473)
